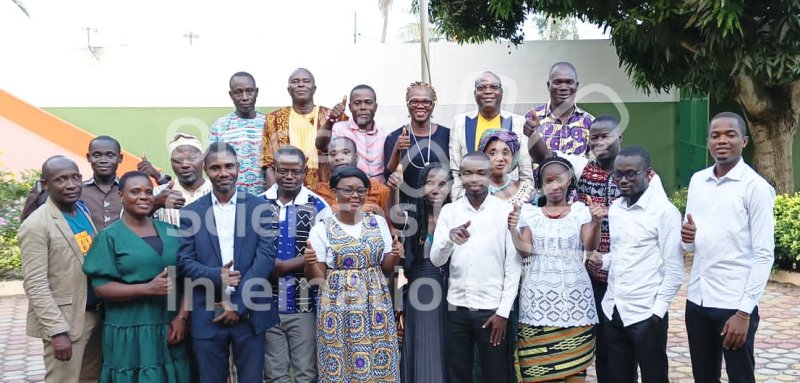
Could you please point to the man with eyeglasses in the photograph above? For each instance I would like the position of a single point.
(243, 129)
(469, 127)
(645, 274)
(563, 125)
(296, 125)
(101, 192)
(186, 156)
(342, 152)
(292, 343)
(361, 129)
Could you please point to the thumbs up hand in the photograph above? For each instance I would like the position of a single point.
(337, 111)
(513, 218)
(459, 235)
(396, 178)
(403, 141)
(310, 255)
(597, 210)
(688, 230)
(532, 124)
(161, 284)
(230, 277)
(397, 247)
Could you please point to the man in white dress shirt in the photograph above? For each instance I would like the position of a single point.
(646, 272)
(484, 275)
(730, 226)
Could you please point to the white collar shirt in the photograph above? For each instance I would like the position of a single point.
(484, 271)
(735, 239)
(646, 257)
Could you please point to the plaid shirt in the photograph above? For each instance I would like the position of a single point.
(369, 146)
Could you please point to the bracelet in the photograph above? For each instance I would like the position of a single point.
(743, 316)
(180, 316)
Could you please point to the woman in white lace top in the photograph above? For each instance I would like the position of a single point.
(557, 311)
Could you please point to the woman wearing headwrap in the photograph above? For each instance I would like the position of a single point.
(503, 148)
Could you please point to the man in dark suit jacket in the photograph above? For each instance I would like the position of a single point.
(228, 252)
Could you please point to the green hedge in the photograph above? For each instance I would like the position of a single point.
(787, 231)
(13, 190)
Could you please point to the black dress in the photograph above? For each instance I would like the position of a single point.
(418, 154)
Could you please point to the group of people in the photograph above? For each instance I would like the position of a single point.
(531, 247)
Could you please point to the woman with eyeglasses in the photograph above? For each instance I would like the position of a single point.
(503, 148)
(417, 144)
(145, 331)
(352, 252)
(557, 313)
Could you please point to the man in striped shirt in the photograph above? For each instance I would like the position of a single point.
(186, 156)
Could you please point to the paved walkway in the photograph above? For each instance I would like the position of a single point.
(777, 341)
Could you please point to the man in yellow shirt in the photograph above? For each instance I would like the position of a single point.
(469, 127)
(296, 125)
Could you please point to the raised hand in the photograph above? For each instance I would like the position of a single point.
(230, 277)
(396, 178)
(688, 230)
(595, 262)
(310, 255)
(459, 235)
(403, 142)
(598, 210)
(147, 168)
(172, 199)
(513, 218)
(161, 284)
(532, 124)
(338, 110)
(397, 247)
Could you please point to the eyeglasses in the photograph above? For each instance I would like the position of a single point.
(629, 175)
(484, 87)
(415, 103)
(285, 172)
(349, 191)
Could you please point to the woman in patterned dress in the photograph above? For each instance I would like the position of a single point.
(352, 252)
(555, 341)
(502, 147)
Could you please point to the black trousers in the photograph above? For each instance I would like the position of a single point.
(601, 349)
(642, 344)
(464, 333)
(704, 325)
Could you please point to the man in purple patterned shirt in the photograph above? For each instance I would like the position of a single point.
(563, 125)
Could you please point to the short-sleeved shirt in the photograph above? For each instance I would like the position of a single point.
(245, 135)
(570, 136)
(369, 147)
(319, 237)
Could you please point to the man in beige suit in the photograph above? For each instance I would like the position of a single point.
(62, 310)
(469, 127)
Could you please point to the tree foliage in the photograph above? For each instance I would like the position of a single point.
(697, 45)
(743, 50)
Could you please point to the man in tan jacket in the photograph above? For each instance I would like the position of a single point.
(62, 309)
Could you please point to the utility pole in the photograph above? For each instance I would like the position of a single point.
(355, 27)
(423, 41)
(191, 36)
(92, 49)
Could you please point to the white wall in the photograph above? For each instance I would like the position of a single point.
(47, 74)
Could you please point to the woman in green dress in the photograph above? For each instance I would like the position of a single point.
(129, 265)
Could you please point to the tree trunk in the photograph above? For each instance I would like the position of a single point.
(772, 114)
(773, 151)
